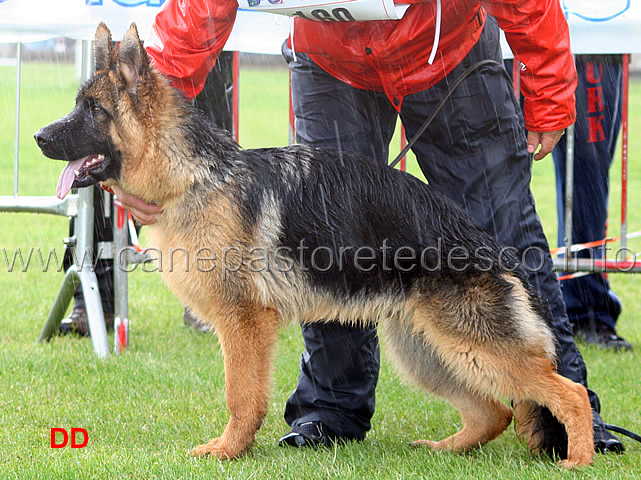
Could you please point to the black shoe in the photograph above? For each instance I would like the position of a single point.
(604, 440)
(309, 434)
(190, 320)
(602, 336)
(77, 322)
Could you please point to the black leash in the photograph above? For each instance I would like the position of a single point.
(622, 431)
(427, 123)
(441, 104)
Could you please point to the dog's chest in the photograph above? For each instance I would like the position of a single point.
(188, 263)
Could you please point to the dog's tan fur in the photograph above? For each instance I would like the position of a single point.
(439, 344)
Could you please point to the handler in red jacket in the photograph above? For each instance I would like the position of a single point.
(350, 83)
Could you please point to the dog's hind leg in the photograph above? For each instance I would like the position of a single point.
(247, 337)
(483, 417)
(540, 429)
(567, 401)
(483, 421)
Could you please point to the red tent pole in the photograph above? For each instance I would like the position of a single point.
(235, 94)
(403, 143)
(292, 117)
(516, 78)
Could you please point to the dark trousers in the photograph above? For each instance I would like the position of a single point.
(590, 301)
(102, 232)
(475, 153)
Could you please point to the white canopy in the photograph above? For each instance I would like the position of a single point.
(596, 26)
(35, 20)
(601, 26)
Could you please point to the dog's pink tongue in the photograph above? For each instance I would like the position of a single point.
(66, 178)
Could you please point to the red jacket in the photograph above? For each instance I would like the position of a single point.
(391, 56)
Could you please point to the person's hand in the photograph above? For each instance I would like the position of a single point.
(145, 213)
(547, 140)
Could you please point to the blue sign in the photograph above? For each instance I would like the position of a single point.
(126, 3)
(608, 10)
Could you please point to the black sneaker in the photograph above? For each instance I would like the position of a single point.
(190, 320)
(604, 440)
(309, 434)
(602, 336)
(76, 323)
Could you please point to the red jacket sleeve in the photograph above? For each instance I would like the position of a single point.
(538, 34)
(189, 36)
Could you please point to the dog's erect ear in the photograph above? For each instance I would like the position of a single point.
(132, 58)
(103, 47)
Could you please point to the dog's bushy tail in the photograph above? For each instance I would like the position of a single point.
(540, 429)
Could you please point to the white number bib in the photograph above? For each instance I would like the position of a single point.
(329, 10)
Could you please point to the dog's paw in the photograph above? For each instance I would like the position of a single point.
(570, 464)
(216, 447)
(427, 443)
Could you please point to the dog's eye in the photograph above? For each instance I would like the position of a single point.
(96, 109)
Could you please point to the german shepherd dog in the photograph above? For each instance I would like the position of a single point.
(302, 234)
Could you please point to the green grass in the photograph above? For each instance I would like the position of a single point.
(145, 409)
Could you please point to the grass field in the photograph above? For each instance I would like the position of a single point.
(145, 409)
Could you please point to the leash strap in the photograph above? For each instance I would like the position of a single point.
(622, 431)
(471, 69)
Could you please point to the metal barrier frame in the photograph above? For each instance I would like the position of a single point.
(81, 207)
(568, 263)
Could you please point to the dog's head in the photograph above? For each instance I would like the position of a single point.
(106, 126)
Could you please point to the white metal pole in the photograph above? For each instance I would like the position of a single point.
(16, 162)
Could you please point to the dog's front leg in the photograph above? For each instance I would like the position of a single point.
(247, 338)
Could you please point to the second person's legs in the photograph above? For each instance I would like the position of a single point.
(339, 367)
